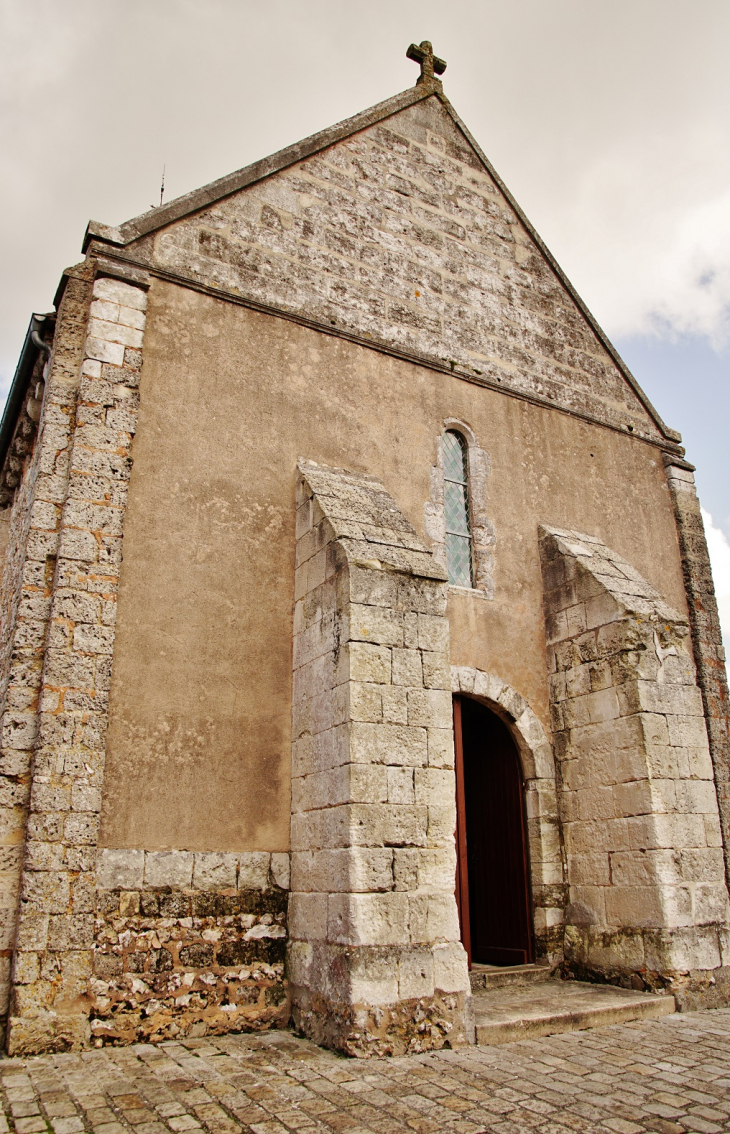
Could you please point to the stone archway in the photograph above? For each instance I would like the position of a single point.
(543, 826)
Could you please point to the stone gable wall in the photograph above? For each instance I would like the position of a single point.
(400, 235)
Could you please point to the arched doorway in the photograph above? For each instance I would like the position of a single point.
(492, 883)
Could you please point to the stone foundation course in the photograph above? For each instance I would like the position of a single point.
(173, 961)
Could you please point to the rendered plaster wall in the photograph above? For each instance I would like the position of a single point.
(201, 689)
(637, 799)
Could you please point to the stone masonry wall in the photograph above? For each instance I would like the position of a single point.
(53, 948)
(376, 963)
(648, 901)
(704, 621)
(25, 599)
(400, 235)
(188, 944)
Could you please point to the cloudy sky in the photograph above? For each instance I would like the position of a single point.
(609, 121)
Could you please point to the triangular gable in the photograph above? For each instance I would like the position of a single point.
(393, 227)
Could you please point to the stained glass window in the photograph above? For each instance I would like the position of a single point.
(456, 502)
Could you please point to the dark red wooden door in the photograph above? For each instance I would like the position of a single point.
(492, 828)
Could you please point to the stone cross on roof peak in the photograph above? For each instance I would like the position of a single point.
(431, 65)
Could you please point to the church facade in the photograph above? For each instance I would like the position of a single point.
(357, 620)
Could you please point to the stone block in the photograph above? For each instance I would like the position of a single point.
(214, 870)
(434, 786)
(121, 869)
(430, 708)
(440, 747)
(450, 972)
(253, 870)
(710, 903)
(372, 983)
(130, 317)
(433, 633)
(100, 329)
(407, 669)
(399, 745)
(365, 702)
(168, 869)
(370, 663)
(116, 291)
(368, 919)
(441, 824)
(433, 917)
(308, 916)
(400, 785)
(103, 351)
(376, 624)
(394, 700)
(367, 783)
(415, 974)
(372, 588)
(362, 869)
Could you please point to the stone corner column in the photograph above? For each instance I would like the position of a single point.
(53, 955)
(704, 620)
(375, 960)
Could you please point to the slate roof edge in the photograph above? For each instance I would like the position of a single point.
(198, 199)
(670, 434)
(21, 379)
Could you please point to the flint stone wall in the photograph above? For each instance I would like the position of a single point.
(648, 901)
(188, 944)
(375, 960)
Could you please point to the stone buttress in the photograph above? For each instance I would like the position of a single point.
(639, 809)
(375, 961)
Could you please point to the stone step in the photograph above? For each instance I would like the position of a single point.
(507, 976)
(506, 1015)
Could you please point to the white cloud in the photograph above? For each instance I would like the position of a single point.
(719, 549)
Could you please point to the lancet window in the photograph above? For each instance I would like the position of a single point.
(459, 551)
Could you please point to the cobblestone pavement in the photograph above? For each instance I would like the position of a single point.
(669, 1075)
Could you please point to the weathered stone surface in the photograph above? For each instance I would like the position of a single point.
(373, 921)
(81, 554)
(640, 821)
(172, 963)
(709, 654)
(664, 1076)
(398, 232)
